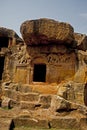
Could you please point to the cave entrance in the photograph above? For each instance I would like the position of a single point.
(85, 94)
(4, 42)
(39, 73)
(1, 66)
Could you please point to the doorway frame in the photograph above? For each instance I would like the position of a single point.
(36, 72)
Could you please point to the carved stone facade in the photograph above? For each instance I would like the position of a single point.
(46, 57)
(58, 64)
(46, 64)
(9, 44)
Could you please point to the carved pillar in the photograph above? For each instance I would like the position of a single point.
(29, 75)
(6, 74)
(13, 41)
(10, 42)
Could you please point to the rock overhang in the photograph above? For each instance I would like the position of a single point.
(9, 33)
(47, 31)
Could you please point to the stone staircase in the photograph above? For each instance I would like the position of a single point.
(30, 103)
(35, 112)
(33, 101)
(29, 100)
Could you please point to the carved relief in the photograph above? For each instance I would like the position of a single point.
(58, 58)
(21, 56)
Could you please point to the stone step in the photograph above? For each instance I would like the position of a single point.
(34, 101)
(31, 96)
(5, 123)
(66, 123)
(31, 122)
(29, 105)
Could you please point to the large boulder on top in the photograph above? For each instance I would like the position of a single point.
(45, 31)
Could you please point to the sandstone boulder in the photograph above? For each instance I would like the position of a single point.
(81, 76)
(45, 31)
(65, 123)
(5, 123)
(81, 40)
(59, 104)
(62, 106)
(8, 103)
(45, 100)
(30, 122)
(66, 90)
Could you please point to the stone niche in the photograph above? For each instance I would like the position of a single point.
(51, 63)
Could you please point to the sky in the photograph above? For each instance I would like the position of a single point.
(14, 12)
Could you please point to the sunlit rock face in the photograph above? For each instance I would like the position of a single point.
(81, 41)
(46, 31)
(55, 63)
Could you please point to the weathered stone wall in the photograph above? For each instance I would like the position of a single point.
(60, 64)
(12, 58)
(9, 41)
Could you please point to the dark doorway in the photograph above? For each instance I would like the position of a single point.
(85, 94)
(4, 42)
(1, 66)
(39, 73)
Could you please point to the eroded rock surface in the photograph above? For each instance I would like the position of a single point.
(44, 31)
